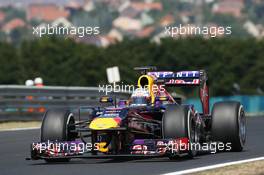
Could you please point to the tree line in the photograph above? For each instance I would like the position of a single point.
(234, 66)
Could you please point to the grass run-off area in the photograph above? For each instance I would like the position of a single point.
(252, 168)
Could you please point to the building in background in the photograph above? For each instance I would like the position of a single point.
(129, 18)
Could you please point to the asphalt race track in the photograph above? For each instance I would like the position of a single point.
(14, 148)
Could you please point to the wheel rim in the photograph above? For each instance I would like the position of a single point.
(70, 121)
(192, 132)
(242, 126)
(193, 136)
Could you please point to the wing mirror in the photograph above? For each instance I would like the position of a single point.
(106, 99)
(162, 98)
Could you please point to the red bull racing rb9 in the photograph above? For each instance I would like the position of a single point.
(151, 123)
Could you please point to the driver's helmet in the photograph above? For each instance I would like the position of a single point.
(140, 97)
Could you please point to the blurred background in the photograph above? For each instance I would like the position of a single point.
(132, 34)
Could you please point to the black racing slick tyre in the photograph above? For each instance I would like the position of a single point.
(178, 122)
(55, 127)
(229, 124)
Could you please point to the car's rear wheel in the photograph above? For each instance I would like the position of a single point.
(56, 127)
(179, 122)
(229, 124)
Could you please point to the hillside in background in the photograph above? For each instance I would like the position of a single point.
(132, 34)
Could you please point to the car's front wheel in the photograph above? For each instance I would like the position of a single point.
(179, 122)
(56, 126)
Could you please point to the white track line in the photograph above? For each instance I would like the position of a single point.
(194, 170)
(19, 129)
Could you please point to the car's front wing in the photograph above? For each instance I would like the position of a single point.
(140, 148)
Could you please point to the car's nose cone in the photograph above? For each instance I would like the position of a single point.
(104, 123)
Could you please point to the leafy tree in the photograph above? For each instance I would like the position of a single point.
(10, 65)
(233, 65)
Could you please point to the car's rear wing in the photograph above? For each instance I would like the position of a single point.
(182, 78)
(185, 78)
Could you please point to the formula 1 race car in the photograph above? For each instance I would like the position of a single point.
(149, 124)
